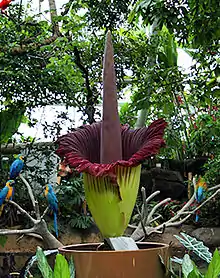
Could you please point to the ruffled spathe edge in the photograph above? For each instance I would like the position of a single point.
(81, 149)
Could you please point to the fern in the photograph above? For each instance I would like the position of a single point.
(80, 221)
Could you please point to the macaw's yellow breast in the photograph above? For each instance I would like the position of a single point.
(10, 192)
(46, 191)
(201, 183)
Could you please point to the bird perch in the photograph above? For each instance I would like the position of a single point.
(139, 232)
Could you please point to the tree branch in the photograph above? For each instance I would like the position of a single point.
(24, 48)
(144, 210)
(16, 149)
(34, 202)
(90, 110)
(214, 187)
(155, 208)
(175, 217)
(31, 234)
(45, 212)
(16, 232)
(23, 211)
(202, 204)
(173, 221)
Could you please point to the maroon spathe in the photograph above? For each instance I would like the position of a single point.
(81, 148)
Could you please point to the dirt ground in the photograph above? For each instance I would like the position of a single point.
(24, 247)
(28, 244)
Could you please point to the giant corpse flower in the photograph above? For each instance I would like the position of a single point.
(109, 155)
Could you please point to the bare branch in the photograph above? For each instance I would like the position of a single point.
(141, 220)
(179, 213)
(173, 221)
(155, 208)
(161, 231)
(91, 98)
(30, 192)
(156, 218)
(24, 48)
(31, 234)
(152, 196)
(178, 223)
(214, 187)
(202, 204)
(208, 199)
(132, 226)
(22, 211)
(37, 210)
(144, 210)
(16, 232)
(45, 212)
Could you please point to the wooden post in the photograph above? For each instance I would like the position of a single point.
(190, 176)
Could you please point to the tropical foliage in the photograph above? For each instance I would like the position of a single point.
(188, 267)
(64, 61)
(58, 61)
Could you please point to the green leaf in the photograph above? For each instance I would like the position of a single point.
(187, 266)
(43, 265)
(214, 266)
(61, 268)
(10, 121)
(195, 273)
(189, 269)
(196, 246)
(72, 268)
(3, 240)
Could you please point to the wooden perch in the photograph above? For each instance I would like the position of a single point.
(16, 232)
(23, 211)
(33, 200)
(39, 225)
(176, 220)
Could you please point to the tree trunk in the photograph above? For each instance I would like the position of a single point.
(53, 9)
(141, 118)
(151, 61)
(49, 241)
(53, 13)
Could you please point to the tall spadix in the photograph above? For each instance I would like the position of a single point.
(111, 143)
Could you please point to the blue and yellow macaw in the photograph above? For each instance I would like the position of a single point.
(200, 193)
(6, 194)
(53, 204)
(16, 167)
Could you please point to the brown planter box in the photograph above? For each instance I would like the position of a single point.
(92, 262)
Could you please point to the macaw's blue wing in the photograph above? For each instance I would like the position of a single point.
(53, 203)
(197, 217)
(16, 168)
(3, 194)
(200, 194)
(55, 223)
(52, 200)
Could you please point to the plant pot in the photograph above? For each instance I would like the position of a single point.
(94, 260)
